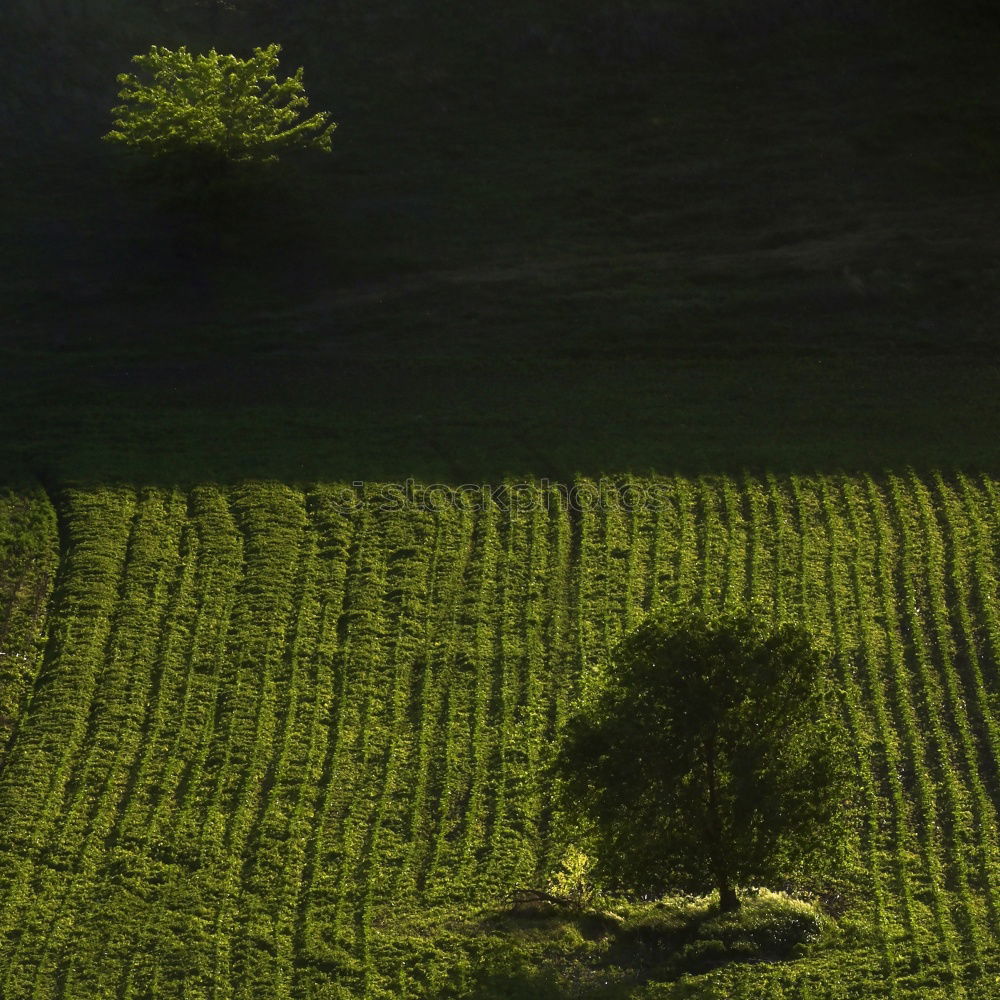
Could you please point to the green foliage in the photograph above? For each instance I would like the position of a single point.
(207, 114)
(711, 757)
(572, 879)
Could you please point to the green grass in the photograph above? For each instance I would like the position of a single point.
(263, 745)
(293, 742)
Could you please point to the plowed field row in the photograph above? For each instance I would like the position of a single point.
(260, 731)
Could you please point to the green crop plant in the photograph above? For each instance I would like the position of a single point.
(266, 741)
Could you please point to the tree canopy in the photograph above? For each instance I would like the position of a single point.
(712, 757)
(209, 112)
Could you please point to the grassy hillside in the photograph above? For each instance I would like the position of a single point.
(551, 239)
(289, 741)
(293, 744)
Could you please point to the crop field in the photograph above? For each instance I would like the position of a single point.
(267, 740)
(292, 744)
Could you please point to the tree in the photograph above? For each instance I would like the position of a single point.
(203, 116)
(711, 758)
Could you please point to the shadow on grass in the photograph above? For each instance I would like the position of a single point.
(686, 268)
(283, 352)
(553, 953)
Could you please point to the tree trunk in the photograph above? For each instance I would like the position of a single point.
(728, 900)
(727, 894)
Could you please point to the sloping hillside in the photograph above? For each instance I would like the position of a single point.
(549, 240)
(293, 744)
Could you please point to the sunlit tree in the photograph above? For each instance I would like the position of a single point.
(199, 118)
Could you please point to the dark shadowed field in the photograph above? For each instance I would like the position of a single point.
(547, 242)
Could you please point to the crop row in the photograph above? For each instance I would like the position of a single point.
(29, 555)
(273, 728)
